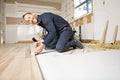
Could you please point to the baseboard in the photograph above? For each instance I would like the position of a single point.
(117, 42)
(95, 41)
(25, 41)
(90, 41)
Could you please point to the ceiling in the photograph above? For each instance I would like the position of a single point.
(53, 3)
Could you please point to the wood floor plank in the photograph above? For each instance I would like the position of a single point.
(16, 62)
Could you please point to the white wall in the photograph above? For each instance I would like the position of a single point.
(87, 31)
(10, 29)
(103, 12)
(11, 34)
(68, 10)
(25, 32)
(23, 8)
(10, 10)
(2, 21)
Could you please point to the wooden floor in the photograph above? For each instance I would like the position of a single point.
(16, 62)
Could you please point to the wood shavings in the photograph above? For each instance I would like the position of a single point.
(105, 46)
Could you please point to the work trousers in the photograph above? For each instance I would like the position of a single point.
(63, 41)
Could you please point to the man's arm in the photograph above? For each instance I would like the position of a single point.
(51, 32)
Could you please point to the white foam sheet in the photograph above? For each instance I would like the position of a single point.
(102, 65)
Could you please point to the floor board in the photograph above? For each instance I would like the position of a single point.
(16, 62)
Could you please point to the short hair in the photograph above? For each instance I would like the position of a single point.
(26, 14)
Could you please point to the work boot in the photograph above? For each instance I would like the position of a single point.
(78, 44)
(74, 47)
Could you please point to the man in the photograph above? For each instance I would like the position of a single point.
(59, 33)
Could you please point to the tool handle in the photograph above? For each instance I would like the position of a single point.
(35, 40)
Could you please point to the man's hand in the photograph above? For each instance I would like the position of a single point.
(39, 48)
(38, 43)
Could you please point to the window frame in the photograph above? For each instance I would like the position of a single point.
(88, 11)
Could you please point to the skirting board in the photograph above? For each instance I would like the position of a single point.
(25, 41)
(90, 41)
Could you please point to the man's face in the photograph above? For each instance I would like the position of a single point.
(30, 18)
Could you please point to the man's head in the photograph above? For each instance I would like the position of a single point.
(30, 18)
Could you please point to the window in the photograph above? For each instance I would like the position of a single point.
(82, 7)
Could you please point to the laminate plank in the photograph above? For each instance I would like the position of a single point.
(16, 62)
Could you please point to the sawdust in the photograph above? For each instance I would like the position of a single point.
(105, 46)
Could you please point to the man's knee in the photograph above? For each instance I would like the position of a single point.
(60, 49)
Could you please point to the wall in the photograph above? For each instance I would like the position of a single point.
(68, 10)
(11, 34)
(23, 8)
(87, 29)
(25, 32)
(103, 10)
(10, 29)
(2, 22)
(106, 10)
